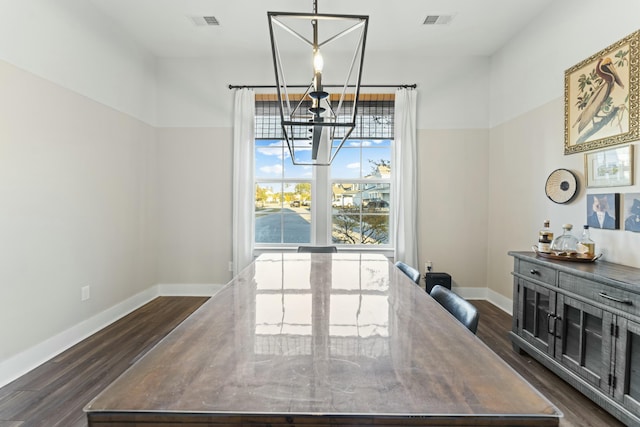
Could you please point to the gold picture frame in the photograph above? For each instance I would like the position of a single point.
(601, 98)
(611, 167)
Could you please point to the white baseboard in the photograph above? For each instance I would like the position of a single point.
(471, 293)
(188, 290)
(500, 301)
(25, 361)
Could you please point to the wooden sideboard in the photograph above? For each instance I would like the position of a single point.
(582, 321)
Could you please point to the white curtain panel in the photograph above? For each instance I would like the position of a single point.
(405, 178)
(243, 169)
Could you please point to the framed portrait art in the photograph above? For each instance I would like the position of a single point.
(632, 212)
(603, 211)
(601, 98)
(609, 168)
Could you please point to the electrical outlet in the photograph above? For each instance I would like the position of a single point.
(230, 265)
(85, 293)
(428, 266)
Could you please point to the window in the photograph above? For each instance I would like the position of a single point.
(283, 196)
(355, 192)
(361, 193)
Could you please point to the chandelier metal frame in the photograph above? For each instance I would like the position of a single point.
(318, 118)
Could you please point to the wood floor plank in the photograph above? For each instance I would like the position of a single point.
(54, 394)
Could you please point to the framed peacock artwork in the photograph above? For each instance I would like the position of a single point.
(601, 98)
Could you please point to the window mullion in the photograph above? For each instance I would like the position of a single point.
(321, 206)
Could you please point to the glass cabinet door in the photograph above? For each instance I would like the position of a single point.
(584, 340)
(626, 378)
(534, 315)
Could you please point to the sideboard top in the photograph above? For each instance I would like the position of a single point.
(622, 276)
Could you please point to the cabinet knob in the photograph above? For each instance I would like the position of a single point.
(534, 271)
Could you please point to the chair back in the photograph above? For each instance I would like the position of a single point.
(318, 249)
(461, 309)
(411, 272)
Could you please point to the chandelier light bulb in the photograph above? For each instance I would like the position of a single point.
(318, 62)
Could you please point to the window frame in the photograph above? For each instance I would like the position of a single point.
(322, 181)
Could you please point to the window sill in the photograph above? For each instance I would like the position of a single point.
(386, 251)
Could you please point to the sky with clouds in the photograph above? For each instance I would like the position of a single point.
(353, 161)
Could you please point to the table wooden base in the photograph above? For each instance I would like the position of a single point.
(187, 420)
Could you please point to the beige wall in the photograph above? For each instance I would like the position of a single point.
(194, 211)
(452, 212)
(194, 206)
(523, 152)
(77, 189)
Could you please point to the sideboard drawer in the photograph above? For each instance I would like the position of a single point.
(538, 272)
(601, 293)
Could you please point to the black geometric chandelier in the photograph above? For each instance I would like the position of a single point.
(330, 49)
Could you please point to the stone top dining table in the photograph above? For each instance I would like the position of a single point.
(319, 340)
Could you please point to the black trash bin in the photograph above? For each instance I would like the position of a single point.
(432, 279)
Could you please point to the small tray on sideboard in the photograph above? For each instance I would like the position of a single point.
(566, 256)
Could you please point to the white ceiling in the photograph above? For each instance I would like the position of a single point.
(165, 27)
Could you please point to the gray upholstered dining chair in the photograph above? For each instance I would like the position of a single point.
(461, 309)
(318, 249)
(411, 272)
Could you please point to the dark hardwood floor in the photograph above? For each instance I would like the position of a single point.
(577, 409)
(55, 393)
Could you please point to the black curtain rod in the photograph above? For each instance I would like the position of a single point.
(413, 86)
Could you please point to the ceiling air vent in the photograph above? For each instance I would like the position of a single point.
(438, 19)
(205, 20)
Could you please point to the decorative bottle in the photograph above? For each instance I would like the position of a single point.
(586, 246)
(567, 242)
(545, 237)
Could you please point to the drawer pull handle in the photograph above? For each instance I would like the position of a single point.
(555, 318)
(549, 316)
(621, 301)
(534, 271)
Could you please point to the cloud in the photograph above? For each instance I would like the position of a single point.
(275, 169)
(302, 147)
(274, 149)
(267, 151)
(353, 165)
(374, 142)
(364, 143)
